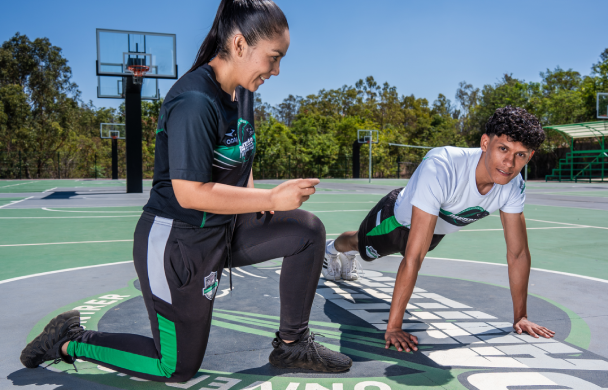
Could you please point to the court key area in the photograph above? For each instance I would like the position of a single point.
(67, 244)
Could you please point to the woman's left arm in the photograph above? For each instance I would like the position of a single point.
(250, 185)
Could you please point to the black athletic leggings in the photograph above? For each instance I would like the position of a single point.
(179, 267)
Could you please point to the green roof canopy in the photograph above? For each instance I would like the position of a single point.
(582, 130)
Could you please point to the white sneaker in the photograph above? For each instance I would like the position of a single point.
(350, 267)
(331, 267)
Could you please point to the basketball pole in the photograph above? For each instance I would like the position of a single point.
(370, 160)
(133, 137)
(114, 158)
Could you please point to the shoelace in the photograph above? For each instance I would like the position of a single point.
(358, 268)
(58, 360)
(311, 341)
(73, 333)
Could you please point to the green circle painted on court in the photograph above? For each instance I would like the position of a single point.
(460, 324)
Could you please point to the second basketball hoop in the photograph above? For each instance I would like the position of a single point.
(368, 137)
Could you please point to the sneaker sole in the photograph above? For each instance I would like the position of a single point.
(282, 364)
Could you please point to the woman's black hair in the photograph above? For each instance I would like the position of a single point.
(517, 124)
(254, 19)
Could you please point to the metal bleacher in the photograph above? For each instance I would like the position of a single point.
(582, 165)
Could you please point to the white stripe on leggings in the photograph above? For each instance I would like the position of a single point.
(157, 242)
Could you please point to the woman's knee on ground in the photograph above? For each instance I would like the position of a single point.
(184, 372)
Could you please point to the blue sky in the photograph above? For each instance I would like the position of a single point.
(421, 47)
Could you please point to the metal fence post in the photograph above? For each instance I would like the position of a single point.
(95, 166)
(58, 166)
(289, 166)
(20, 165)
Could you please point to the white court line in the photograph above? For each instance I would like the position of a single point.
(369, 201)
(90, 216)
(505, 265)
(559, 223)
(248, 273)
(15, 202)
(50, 189)
(19, 184)
(538, 228)
(66, 243)
(437, 258)
(333, 211)
(61, 270)
(74, 211)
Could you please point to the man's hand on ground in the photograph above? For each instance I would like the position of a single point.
(523, 325)
(401, 340)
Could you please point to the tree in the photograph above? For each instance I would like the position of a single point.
(44, 76)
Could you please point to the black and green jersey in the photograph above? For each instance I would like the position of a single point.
(202, 136)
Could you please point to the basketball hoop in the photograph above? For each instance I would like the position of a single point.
(139, 72)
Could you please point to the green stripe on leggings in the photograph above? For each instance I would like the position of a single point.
(385, 227)
(165, 366)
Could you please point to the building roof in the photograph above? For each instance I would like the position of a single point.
(582, 130)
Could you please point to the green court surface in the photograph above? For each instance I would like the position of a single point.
(42, 240)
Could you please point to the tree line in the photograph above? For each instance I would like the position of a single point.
(47, 130)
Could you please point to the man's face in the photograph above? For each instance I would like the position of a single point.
(504, 159)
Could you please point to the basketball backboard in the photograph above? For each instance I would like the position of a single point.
(365, 136)
(113, 88)
(602, 105)
(117, 49)
(112, 130)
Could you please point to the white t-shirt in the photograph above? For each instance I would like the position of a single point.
(444, 185)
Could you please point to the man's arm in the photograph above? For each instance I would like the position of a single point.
(419, 240)
(519, 261)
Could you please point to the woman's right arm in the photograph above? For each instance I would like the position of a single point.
(219, 198)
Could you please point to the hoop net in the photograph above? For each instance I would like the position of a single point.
(138, 70)
(114, 134)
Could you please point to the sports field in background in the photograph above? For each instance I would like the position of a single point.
(35, 240)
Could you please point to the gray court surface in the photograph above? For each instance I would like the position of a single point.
(460, 311)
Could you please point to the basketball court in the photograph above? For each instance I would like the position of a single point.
(68, 244)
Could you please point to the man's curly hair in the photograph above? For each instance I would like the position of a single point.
(517, 124)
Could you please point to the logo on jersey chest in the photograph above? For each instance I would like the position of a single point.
(237, 147)
(232, 137)
(464, 217)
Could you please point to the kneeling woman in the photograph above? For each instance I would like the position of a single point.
(204, 214)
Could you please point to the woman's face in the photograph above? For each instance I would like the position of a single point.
(257, 63)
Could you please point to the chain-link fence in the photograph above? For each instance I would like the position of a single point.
(61, 165)
(98, 165)
(329, 167)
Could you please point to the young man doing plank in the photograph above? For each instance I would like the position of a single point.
(451, 188)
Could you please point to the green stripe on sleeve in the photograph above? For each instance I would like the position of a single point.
(385, 227)
(165, 366)
(204, 219)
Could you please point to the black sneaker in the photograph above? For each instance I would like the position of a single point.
(308, 354)
(47, 346)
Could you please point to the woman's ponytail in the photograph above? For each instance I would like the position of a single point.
(254, 19)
